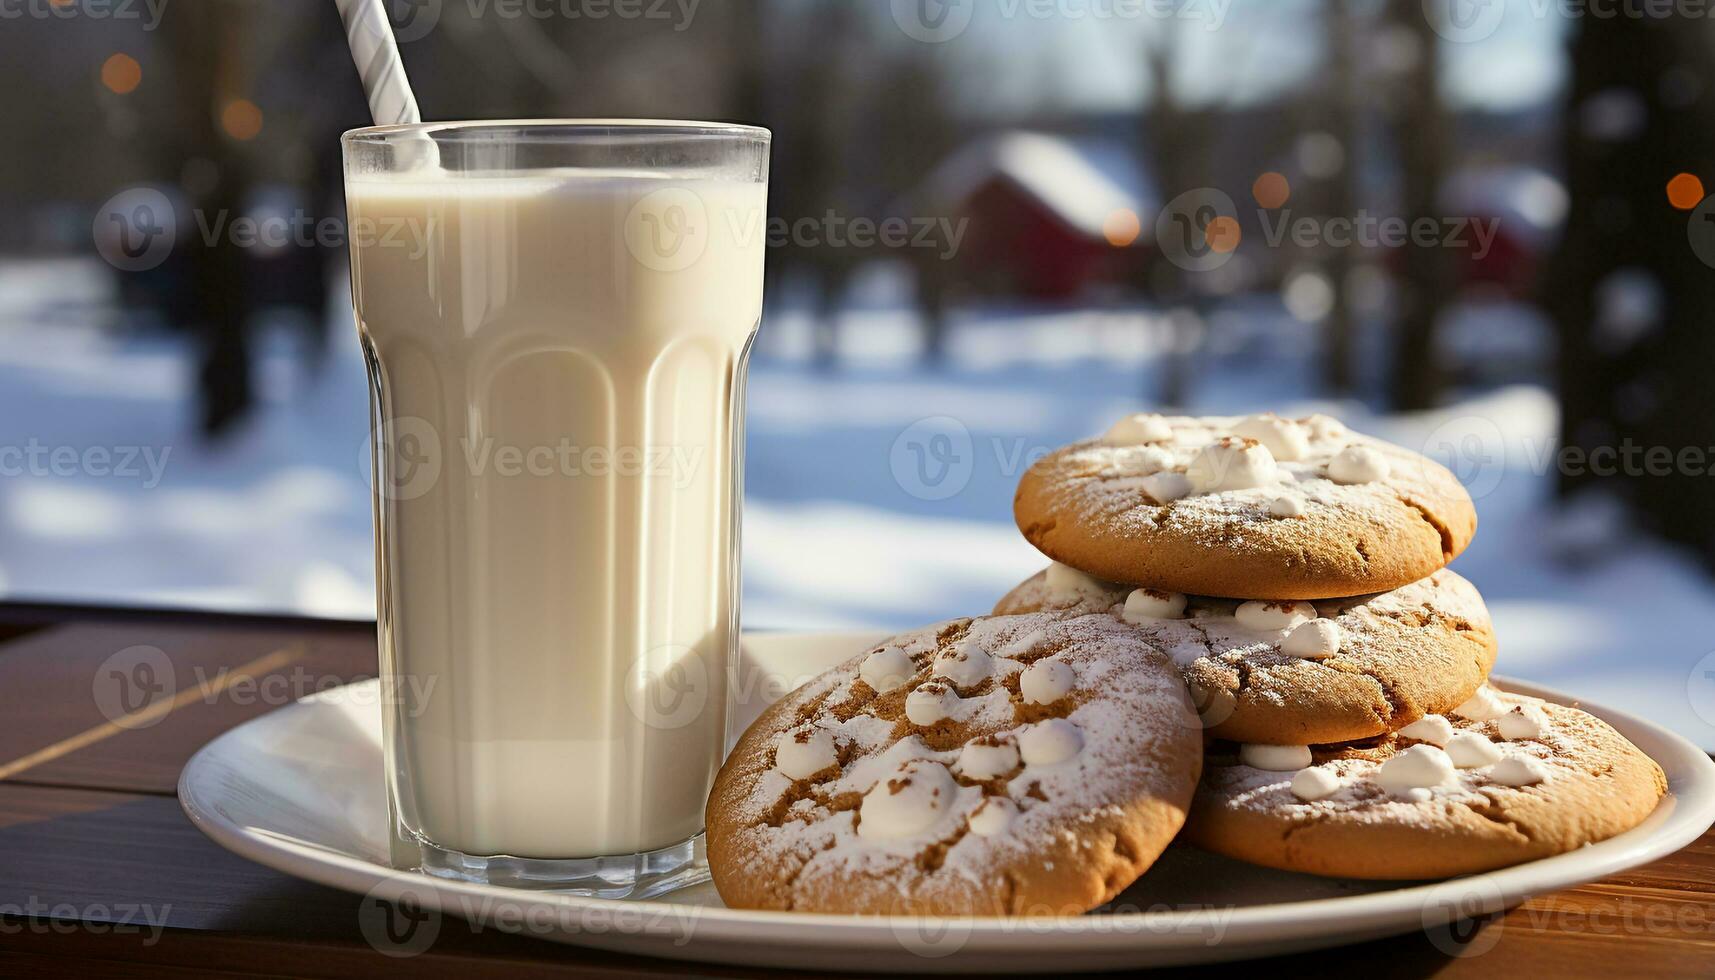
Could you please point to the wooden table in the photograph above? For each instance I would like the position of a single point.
(102, 875)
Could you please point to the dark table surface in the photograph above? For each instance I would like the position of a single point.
(101, 874)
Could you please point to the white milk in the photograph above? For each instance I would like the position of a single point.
(564, 588)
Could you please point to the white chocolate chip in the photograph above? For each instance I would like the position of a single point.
(1286, 507)
(1066, 581)
(1469, 750)
(1050, 742)
(1167, 487)
(907, 803)
(1231, 464)
(1138, 429)
(1521, 723)
(1357, 464)
(1315, 640)
(930, 703)
(1418, 767)
(1285, 439)
(1434, 729)
(1519, 770)
(966, 665)
(1275, 758)
(1147, 604)
(1482, 706)
(1045, 682)
(993, 816)
(1325, 427)
(1315, 783)
(1265, 616)
(801, 755)
(1150, 460)
(978, 760)
(887, 669)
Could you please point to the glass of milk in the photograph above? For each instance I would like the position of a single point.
(556, 318)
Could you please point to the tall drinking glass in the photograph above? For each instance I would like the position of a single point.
(556, 318)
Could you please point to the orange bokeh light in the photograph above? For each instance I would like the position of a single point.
(1122, 227)
(121, 74)
(1271, 190)
(241, 119)
(1685, 191)
(1223, 234)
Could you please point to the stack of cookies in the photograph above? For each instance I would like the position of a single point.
(1247, 639)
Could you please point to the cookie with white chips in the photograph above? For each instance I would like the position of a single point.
(1260, 507)
(1449, 795)
(1011, 765)
(1297, 672)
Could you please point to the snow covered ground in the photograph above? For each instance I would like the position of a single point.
(879, 492)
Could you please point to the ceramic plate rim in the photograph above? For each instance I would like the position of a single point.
(1691, 797)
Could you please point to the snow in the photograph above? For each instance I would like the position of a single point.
(842, 529)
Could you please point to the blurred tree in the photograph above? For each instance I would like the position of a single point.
(1341, 112)
(1631, 285)
(212, 72)
(1427, 273)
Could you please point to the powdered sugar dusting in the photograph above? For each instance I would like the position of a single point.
(1131, 714)
(1563, 750)
(1106, 485)
(1211, 629)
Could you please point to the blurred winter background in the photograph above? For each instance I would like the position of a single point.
(1478, 227)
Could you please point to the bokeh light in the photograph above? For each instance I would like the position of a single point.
(121, 74)
(1122, 227)
(1271, 190)
(1222, 234)
(241, 119)
(1685, 191)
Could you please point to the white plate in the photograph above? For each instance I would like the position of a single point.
(300, 790)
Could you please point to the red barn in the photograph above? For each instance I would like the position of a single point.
(1048, 218)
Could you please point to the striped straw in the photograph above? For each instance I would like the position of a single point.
(377, 56)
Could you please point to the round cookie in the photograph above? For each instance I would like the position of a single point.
(1362, 667)
(994, 766)
(1260, 507)
(1539, 780)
